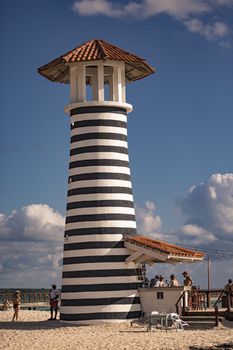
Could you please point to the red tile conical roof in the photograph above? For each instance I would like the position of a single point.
(164, 247)
(95, 50)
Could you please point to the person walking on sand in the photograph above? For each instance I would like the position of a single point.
(16, 299)
(53, 297)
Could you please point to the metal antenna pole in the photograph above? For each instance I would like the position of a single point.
(209, 287)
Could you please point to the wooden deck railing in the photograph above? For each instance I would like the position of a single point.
(205, 298)
(201, 300)
(178, 304)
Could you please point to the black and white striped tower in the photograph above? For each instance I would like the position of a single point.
(98, 284)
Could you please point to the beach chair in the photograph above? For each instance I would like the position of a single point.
(165, 321)
(177, 322)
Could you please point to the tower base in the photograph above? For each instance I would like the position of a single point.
(98, 286)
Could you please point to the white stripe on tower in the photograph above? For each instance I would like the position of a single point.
(97, 284)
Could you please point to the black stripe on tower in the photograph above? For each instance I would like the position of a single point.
(99, 287)
(94, 259)
(99, 176)
(100, 273)
(98, 135)
(98, 109)
(100, 189)
(99, 122)
(90, 149)
(99, 162)
(101, 316)
(101, 231)
(100, 301)
(93, 245)
(99, 217)
(100, 203)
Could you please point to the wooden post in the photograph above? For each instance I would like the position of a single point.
(216, 316)
(178, 309)
(184, 304)
(228, 302)
(209, 287)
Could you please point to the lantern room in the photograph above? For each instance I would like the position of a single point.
(97, 71)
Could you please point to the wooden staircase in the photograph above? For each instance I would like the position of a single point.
(203, 319)
(200, 317)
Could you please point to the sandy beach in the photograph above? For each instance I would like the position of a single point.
(33, 332)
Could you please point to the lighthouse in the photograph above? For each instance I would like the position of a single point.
(99, 283)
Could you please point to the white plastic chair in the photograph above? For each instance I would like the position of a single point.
(178, 323)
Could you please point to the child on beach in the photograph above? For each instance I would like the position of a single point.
(16, 299)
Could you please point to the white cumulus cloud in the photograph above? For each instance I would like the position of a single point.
(97, 7)
(141, 9)
(209, 206)
(223, 2)
(211, 31)
(32, 222)
(194, 234)
(194, 14)
(148, 223)
(207, 209)
(31, 245)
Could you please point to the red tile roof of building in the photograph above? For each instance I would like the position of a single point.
(163, 247)
(95, 50)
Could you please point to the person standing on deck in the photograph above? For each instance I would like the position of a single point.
(187, 283)
(173, 281)
(188, 280)
(160, 282)
(154, 281)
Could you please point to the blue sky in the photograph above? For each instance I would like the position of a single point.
(180, 132)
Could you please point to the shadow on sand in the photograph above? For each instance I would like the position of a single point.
(223, 346)
(31, 326)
